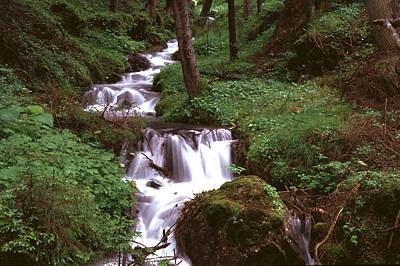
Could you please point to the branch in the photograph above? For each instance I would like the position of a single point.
(161, 170)
(319, 244)
(389, 24)
(394, 21)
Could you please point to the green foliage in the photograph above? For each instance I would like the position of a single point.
(273, 5)
(236, 169)
(72, 43)
(287, 124)
(275, 199)
(339, 21)
(62, 202)
(325, 177)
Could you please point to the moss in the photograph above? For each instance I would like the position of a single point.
(232, 225)
(335, 250)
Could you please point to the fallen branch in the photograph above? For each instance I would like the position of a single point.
(393, 228)
(390, 25)
(161, 170)
(146, 251)
(319, 244)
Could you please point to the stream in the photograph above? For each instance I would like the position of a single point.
(173, 162)
(192, 159)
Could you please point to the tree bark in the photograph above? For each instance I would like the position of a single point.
(114, 5)
(380, 13)
(190, 69)
(246, 8)
(168, 7)
(205, 11)
(233, 50)
(151, 8)
(259, 6)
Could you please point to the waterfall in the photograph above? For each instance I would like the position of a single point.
(171, 164)
(300, 233)
(195, 160)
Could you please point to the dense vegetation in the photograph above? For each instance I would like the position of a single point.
(303, 108)
(62, 198)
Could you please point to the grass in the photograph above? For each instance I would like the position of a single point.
(288, 126)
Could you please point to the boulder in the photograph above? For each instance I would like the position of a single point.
(138, 62)
(238, 224)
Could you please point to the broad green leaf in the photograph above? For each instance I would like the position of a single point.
(45, 118)
(10, 114)
(35, 109)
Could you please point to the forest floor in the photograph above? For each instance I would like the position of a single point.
(302, 123)
(302, 126)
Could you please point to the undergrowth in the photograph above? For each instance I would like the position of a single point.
(62, 202)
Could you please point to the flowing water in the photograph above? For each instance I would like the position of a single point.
(172, 164)
(300, 233)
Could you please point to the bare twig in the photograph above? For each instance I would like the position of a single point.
(319, 244)
(159, 169)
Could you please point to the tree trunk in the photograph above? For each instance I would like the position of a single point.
(246, 8)
(114, 5)
(168, 7)
(380, 13)
(190, 69)
(289, 26)
(259, 6)
(322, 6)
(233, 50)
(205, 11)
(151, 8)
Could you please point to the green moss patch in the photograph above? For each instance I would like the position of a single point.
(236, 224)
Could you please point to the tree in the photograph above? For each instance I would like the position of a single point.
(384, 16)
(246, 8)
(259, 6)
(190, 69)
(233, 50)
(168, 7)
(151, 8)
(205, 11)
(114, 5)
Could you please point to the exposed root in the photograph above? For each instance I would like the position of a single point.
(331, 228)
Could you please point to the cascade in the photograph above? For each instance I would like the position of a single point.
(171, 164)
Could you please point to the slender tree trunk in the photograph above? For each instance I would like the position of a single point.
(190, 69)
(381, 12)
(151, 8)
(205, 11)
(259, 6)
(168, 7)
(233, 50)
(246, 8)
(114, 5)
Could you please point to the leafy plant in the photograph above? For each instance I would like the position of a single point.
(236, 170)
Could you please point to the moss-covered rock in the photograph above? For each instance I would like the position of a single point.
(242, 223)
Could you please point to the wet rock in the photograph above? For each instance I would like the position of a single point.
(156, 43)
(113, 78)
(154, 184)
(138, 62)
(176, 56)
(239, 224)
